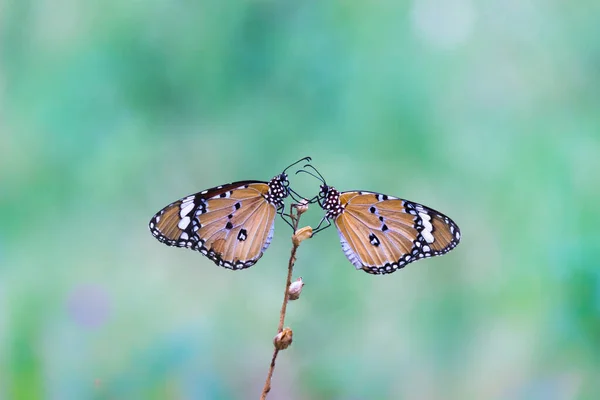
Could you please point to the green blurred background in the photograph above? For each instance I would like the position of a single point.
(488, 111)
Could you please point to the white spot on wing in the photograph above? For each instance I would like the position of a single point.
(427, 228)
(183, 224)
(186, 208)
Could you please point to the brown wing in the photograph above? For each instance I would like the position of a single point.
(381, 234)
(232, 224)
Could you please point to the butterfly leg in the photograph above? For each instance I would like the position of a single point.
(285, 217)
(319, 228)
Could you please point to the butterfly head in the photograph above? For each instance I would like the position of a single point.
(279, 186)
(323, 193)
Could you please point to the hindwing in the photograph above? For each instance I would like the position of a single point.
(381, 233)
(231, 224)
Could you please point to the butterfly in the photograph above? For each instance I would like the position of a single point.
(230, 224)
(381, 234)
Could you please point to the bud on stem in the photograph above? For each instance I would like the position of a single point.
(301, 207)
(301, 234)
(295, 289)
(283, 340)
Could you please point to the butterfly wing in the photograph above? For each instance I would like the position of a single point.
(231, 224)
(381, 234)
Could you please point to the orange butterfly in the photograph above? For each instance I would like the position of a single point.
(381, 234)
(230, 224)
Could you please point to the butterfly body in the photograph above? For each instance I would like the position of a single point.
(381, 234)
(230, 224)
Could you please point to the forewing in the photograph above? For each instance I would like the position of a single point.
(381, 234)
(232, 225)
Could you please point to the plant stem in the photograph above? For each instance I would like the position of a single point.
(295, 221)
(286, 294)
(267, 386)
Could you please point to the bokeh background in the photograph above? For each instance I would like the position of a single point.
(488, 111)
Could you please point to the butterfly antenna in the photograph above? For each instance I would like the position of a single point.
(311, 174)
(299, 161)
(319, 177)
(317, 171)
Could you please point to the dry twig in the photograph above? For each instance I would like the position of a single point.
(284, 336)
